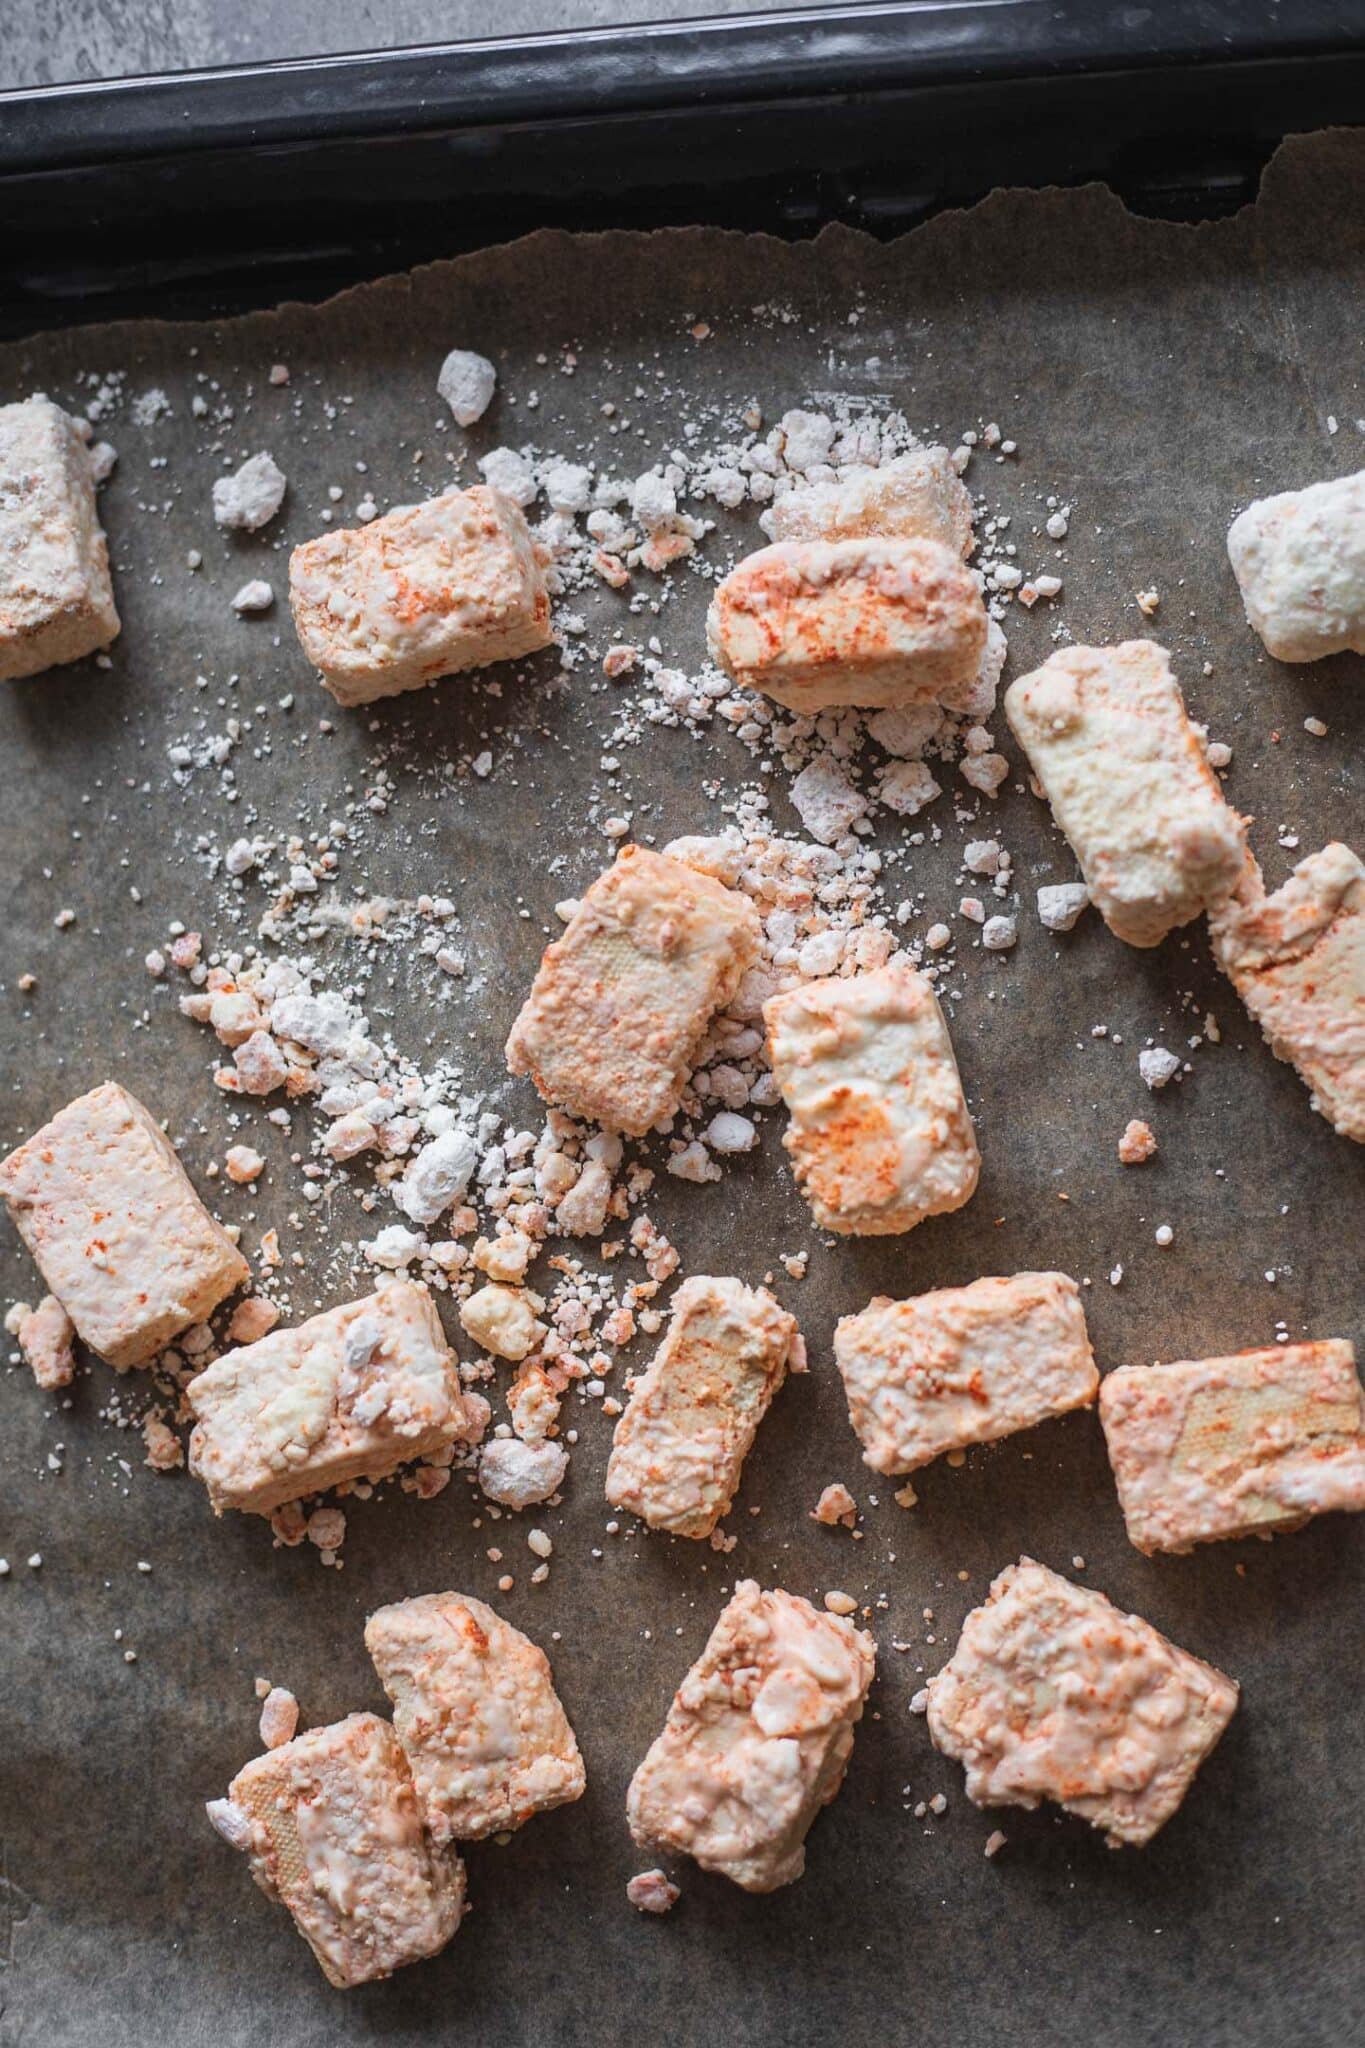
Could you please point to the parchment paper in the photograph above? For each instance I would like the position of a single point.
(1155, 376)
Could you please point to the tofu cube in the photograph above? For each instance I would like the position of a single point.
(623, 1000)
(1297, 960)
(115, 1228)
(56, 600)
(1124, 769)
(427, 591)
(1053, 1693)
(1211, 1447)
(351, 1394)
(333, 1829)
(880, 1136)
(963, 1365)
(919, 496)
(1299, 560)
(873, 622)
(757, 1739)
(680, 1446)
(475, 1709)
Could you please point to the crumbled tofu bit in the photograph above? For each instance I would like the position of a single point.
(279, 1717)
(728, 1132)
(1219, 754)
(995, 1842)
(45, 1335)
(326, 1528)
(1164, 1235)
(1316, 727)
(1157, 1066)
(841, 1603)
(503, 1320)
(504, 1257)
(437, 1177)
(252, 1319)
(973, 908)
(835, 1505)
(250, 498)
(1060, 905)
(1148, 602)
(467, 381)
(242, 1164)
(937, 937)
(56, 599)
(255, 596)
(905, 1496)
(1299, 560)
(155, 964)
(998, 934)
(1138, 1142)
(651, 1892)
(165, 1452)
(519, 1475)
(919, 496)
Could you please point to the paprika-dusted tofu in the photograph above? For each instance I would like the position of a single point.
(880, 1135)
(919, 496)
(351, 1394)
(1124, 769)
(757, 1739)
(1211, 1447)
(1054, 1693)
(115, 1228)
(426, 591)
(623, 1000)
(475, 1708)
(56, 600)
(1297, 960)
(963, 1365)
(680, 1446)
(333, 1829)
(873, 622)
(1299, 560)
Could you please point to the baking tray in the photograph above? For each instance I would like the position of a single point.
(123, 1921)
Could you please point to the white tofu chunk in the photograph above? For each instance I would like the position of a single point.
(116, 1230)
(1299, 560)
(757, 1739)
(622, 1001)
(333, 1830)
(427, 591)
(475, 1708)
(919, 496)
(351, 1394)
(1297, 960)
(680, 1446)
(1124, 769)
(1212, 1447)
(56, 600)
(880, 1136)
(1054, 1693)
(963, 1365)
(849, 622)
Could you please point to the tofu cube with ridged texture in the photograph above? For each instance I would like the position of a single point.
(919, 496)
(429, 590)
(872, 622)
(1299, 560)
(757, 1740)
(351, 1394)
(880, 1136)
(1297, 960)
(118, 1233)
(691, 1419)
(475, 1708)
(963, 1365)
(56, 600)
(1211, 1447)
(332, 1827)
(1054, 1693)
(1124, 769)
(622, 1001)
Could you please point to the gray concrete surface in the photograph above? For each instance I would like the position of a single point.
(50, 42)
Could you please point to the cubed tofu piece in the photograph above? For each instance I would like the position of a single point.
(332, 1826)
(880, 1136)
(680, 1446)
(919, 496)
(623, 1000)
(757, 1739)
(1054, 1693)
(1124, 769)
(56, 600)
(963, 1365)
(1211, 1447)
(351, 1394)
(427, 591)
(1297, 960)
(859, 622)
(115, 1228)
(475, 1709)
(1299, 560)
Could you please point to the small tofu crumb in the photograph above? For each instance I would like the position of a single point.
(279, 1717)
(652, 1892)
(836, 1504)
(841, 1603)
(995, 1843)
(1138, 1142)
